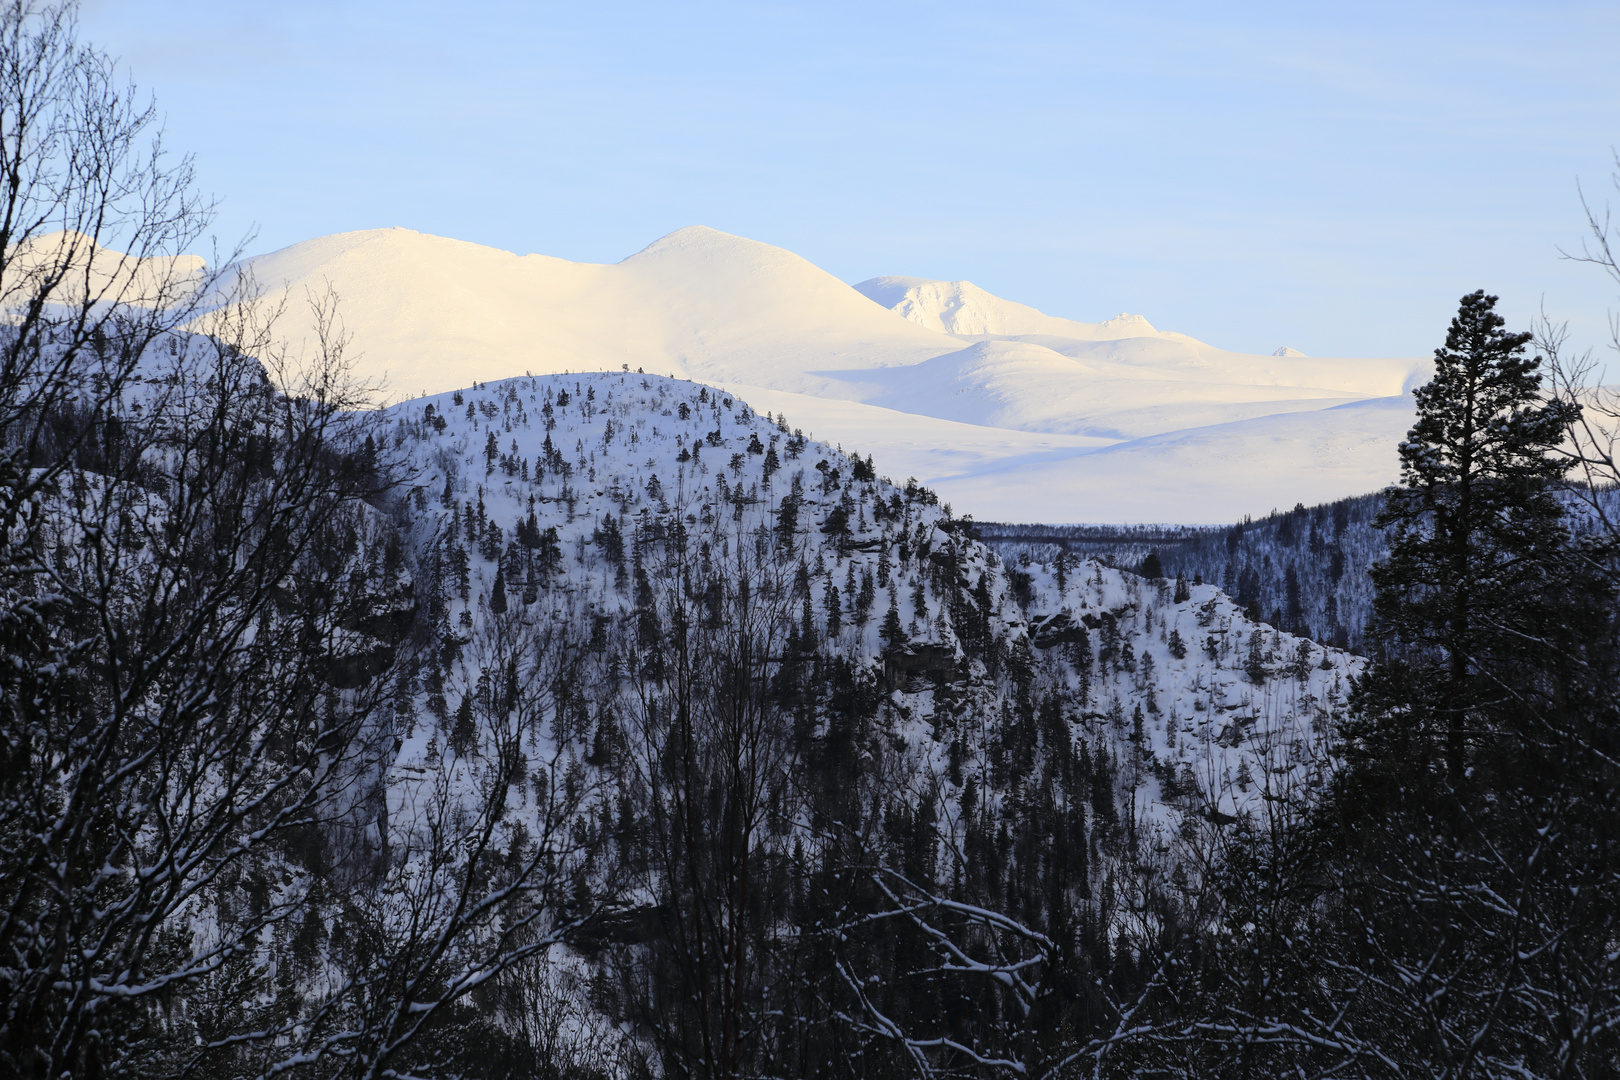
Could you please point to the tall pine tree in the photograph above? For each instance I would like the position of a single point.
(1477, 543)
(1466, 852)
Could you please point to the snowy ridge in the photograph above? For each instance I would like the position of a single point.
(962, 309)
(900, 376)
(429, 313)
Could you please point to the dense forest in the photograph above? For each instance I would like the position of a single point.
(1305, 570)
(598, 726)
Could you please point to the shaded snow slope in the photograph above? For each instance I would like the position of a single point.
(1030, 387)
(1211, 475)
(1199, 475)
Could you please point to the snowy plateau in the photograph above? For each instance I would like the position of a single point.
(1008, 413)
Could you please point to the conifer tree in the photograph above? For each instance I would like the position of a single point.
(1476, 540)
(1254, 665)
(465, 731)
(787, 519)
(1461, 842)
(893, 633)
(1293, 610)
(835, 613)
(461, 571)
(864, 597)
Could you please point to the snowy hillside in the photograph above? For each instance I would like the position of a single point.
(970, 392)
(572, 496)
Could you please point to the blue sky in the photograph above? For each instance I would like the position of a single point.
(1330, 177)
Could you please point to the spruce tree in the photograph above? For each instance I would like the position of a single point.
(892, 631)
(835, 612)
(465, 731)
(1476, 539)
(1293, 619)
(787, 519)
(1254, 666)
(1467, 843)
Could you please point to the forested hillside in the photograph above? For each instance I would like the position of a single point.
(1305, 570)
(862, 697)
(661, 691)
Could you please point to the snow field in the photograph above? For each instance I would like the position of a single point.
(906, 367)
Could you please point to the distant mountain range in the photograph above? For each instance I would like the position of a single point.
(1011, 413)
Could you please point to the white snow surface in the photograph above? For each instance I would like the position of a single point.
(962, 309)
(993, 403)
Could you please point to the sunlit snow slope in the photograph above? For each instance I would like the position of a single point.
(1010, 412)
(432, 314)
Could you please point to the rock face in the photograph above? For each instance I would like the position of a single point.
(908, 666)
(1047, 631)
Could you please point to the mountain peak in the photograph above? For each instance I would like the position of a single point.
(963, 309)
(1127, 325)
(694, 237)
(709, 244)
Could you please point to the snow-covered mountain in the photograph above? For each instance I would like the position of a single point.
(564, 481)
(962, 309)
(1009, 412)
(432, 314)
(595, 506)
